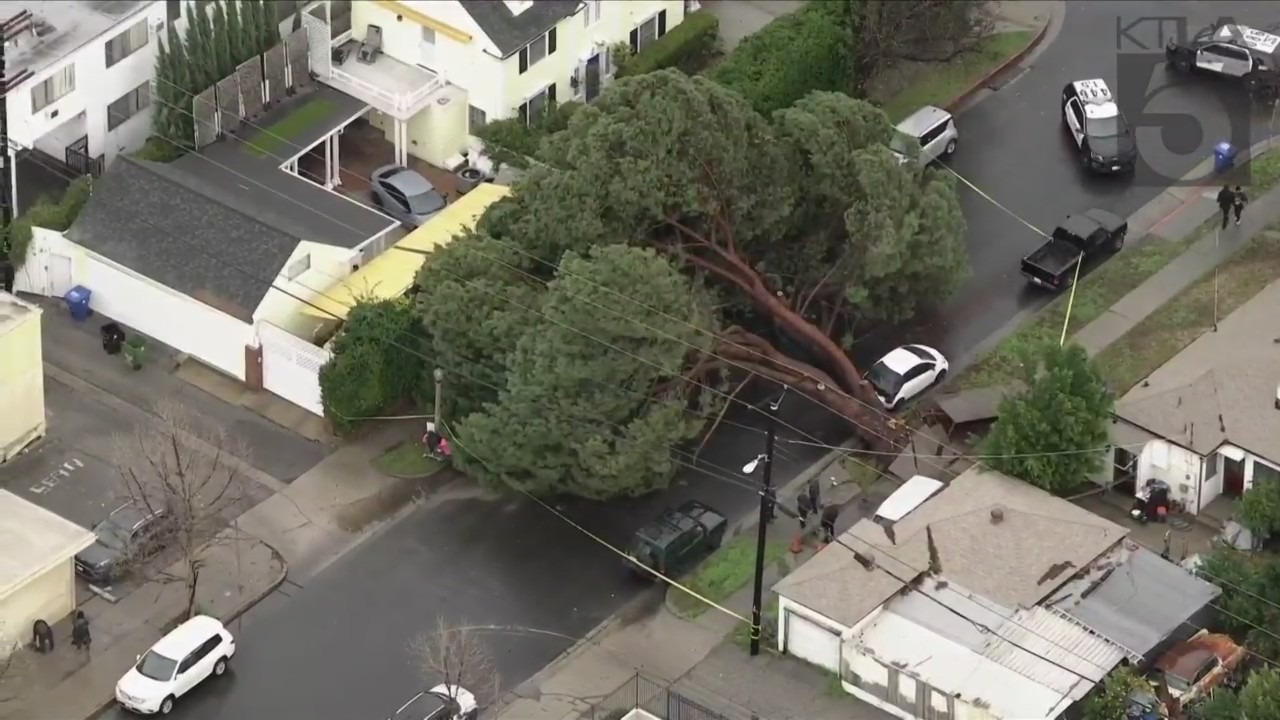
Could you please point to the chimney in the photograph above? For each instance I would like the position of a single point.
(997, 515)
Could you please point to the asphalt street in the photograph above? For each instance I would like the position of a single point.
(1013, 147)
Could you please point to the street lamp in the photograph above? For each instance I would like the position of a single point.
(438, 376)
(766, 510)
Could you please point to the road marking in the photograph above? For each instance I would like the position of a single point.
(51, 480)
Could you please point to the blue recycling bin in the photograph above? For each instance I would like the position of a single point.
(78, 302)
(1224, 157)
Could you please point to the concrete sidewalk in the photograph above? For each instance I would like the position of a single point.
(1191, 207)
(70, 684)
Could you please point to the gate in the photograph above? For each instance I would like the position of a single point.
(79, 160)
(291, 367)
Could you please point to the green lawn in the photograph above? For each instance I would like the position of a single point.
(940, 83)
(276, 139)
(407, 460)
(1188, 316)
(727, 571)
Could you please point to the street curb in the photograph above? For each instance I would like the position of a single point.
(992, 341)
(628, 609)
(981, 84)
(244, 608)
(751, 521)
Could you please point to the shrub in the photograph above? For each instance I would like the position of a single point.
(788, 59)
(158, 150)
(46, 213)
(686, 47)
(512, 142)
(375, 363)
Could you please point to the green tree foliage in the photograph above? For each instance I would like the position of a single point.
(687, 47)
(1247, 582)
(575, 417)
(51, 213)
(201, 56)
(1260, 698)
(175, 88)
(239, 43)
(755, 213)
(791, 57)
(1065, 408)
(268, 25)
(1260, 508)
(1223, 704)
(1111, 700)
(223, 62)
(376, 362)
(515, 142)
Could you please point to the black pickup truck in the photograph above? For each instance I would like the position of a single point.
(675, 540)
(1079, 237)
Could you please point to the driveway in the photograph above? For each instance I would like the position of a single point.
(1013, 148)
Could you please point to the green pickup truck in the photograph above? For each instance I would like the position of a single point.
(676, 540)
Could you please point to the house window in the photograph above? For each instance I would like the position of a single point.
(53, 88)
(535, 108)
(476, 119)
(537, 50)
(646, 32)
(128, 105)
(297, 267)
(1263, 473)
(173, 10)
(592, 15)
(127, 43)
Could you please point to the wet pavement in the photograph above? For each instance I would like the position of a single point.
(1013, 148)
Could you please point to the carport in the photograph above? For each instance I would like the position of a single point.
(307, 126)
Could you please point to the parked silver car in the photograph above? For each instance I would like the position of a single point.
(405, 195)
(927, 134)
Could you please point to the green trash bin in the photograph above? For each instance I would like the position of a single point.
(135, 351)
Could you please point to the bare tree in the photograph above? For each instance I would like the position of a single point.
(458, 657)
(15, 665)
(188, 473)
(882, 32)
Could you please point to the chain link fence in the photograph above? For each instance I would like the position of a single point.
(653, 697)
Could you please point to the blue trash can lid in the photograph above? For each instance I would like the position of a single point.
(1224, 148)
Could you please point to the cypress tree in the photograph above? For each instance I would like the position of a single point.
(220, 41)
(235, 35)
(180, 102)
(161, 114)
(267, 25)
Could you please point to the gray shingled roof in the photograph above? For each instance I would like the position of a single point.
(1141, 602)
(1037, 545)
(1220, 388)
(508, 31)
(180, 238)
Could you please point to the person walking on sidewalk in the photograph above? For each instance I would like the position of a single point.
(771, 503)
(804, 508)
(1238, 201)
(1226, 200)
(80, 636)
(829, 515)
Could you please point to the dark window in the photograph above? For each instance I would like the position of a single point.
(476, 118)
(128, 105)
(538, 50)
(173, 9)
(646, 32)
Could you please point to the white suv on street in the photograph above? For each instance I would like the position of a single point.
(191, 652)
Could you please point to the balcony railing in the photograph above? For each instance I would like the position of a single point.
(398, 102)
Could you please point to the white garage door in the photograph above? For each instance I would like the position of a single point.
(812, 642)
(291, 367)
(189, 326)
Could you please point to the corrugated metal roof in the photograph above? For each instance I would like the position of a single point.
(1054, 641)
(908, 497)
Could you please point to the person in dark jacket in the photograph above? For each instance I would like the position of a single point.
(80, 636)
(804, 508)
(42, 636)
(815, 494)
(771, 503)
(829, 515)
(1238, 201)
(1226, 200)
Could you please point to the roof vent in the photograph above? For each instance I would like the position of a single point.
(997, 516)
(42, 28)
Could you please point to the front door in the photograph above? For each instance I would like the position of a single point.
(1232, 477)
(592, 88)
(427, 49)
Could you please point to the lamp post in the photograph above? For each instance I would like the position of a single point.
(766, 510)
(438, 376)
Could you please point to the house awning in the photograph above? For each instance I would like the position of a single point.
(1124, 434)
(391, 274)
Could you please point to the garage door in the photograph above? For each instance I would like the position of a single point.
(291, 367)
(812, 642)
(189, 326)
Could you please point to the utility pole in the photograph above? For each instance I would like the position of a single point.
(766, 512)
(9, 30)
(438, 376)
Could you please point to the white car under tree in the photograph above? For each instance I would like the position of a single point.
(905, 373)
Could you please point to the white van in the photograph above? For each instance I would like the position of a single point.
(181, 660)
(929, 133)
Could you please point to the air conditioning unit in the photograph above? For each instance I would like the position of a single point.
(157, 25)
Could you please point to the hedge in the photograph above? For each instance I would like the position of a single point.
(49, 214)
(685, 47)
(513, 142)
(788, 59)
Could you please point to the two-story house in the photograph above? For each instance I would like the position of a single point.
(435, 70)
(78, 93)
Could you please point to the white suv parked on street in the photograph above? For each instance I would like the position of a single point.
(191, 652)
(927, 134)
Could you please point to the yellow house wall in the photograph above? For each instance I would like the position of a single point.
(21, 385)
(287, 310)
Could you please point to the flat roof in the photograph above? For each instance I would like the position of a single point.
(13, 311)
(60, 28)
(243, 172)
(392, 273)
(908, 497)
(34, 541)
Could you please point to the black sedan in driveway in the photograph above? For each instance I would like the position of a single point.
(130, 533)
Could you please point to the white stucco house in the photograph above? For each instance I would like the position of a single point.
(37, 571)
(990, 599)
(1207, 422)
(21, 376)
(446, 67)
